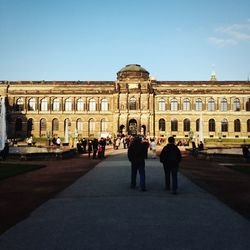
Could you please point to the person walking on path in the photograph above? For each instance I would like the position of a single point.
(170, 157)
(136, 155)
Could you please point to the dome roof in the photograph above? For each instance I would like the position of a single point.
(133, 68)
(133, 72)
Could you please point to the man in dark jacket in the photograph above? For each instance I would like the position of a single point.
(170, 157)
(136, 155)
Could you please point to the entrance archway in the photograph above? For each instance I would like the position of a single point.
(132, 127)
(121, 129)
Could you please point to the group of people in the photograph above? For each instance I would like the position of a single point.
(170, 157)
(95, 148)
(122, 141)
(56, 141)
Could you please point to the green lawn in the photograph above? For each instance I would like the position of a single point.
(12, 169)
(243, 169)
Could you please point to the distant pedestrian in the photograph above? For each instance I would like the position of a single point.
(170, 157)
(117, 143)
(145, 143)
(54, 141)
(246, 153)
(153, 148)
(58, 141)
(90, 148)
(136, 155)
(84, 145)
(201, 146)
(95, 148)
(100, 151)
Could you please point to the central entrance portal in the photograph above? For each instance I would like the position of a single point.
(132, 127)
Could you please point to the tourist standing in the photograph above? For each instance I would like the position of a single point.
(170, 157)
(54, 141)
(153, 148)
(201, 146)
(58, 141)
(84, 145)
(95, 148)
(90, 148)
(136, 155)
(246, 153)
(145, 143)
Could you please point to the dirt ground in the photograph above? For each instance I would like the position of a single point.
(229, 186)
(21, 194)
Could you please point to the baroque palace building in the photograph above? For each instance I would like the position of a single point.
(134, 103)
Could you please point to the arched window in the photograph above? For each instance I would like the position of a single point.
(197, 125)
(186, 104)
(43, 125)
(186, 125)
(211, 105)
(91, 126)
(237, 126)
(68, 104)
(211, 125)
(32, 104)
(104, 105)
(224, 125)
(174, 105)
(104, 125)
(92, 105)
(174, 125)
(79, 125)
(19, 125)
(44, 104)
(132, 103)
(162, 105)
(56, 105)
(223, 105)
(248, 105)
(55, 125)
(19, 104)
(162, 125)
(248, 125)
(198, 104)
(79, 105)
(236, 104)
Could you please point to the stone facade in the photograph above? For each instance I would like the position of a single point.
(134, 103)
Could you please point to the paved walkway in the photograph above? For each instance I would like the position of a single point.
(100, 211)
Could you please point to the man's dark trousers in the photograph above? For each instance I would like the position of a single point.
(173, 170)
(141, 168)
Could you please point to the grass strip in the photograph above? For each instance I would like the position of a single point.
(12, 169)
(242, 169)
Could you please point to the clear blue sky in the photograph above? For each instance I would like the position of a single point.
(93, 39)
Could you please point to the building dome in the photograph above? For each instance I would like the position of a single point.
(133, 71)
